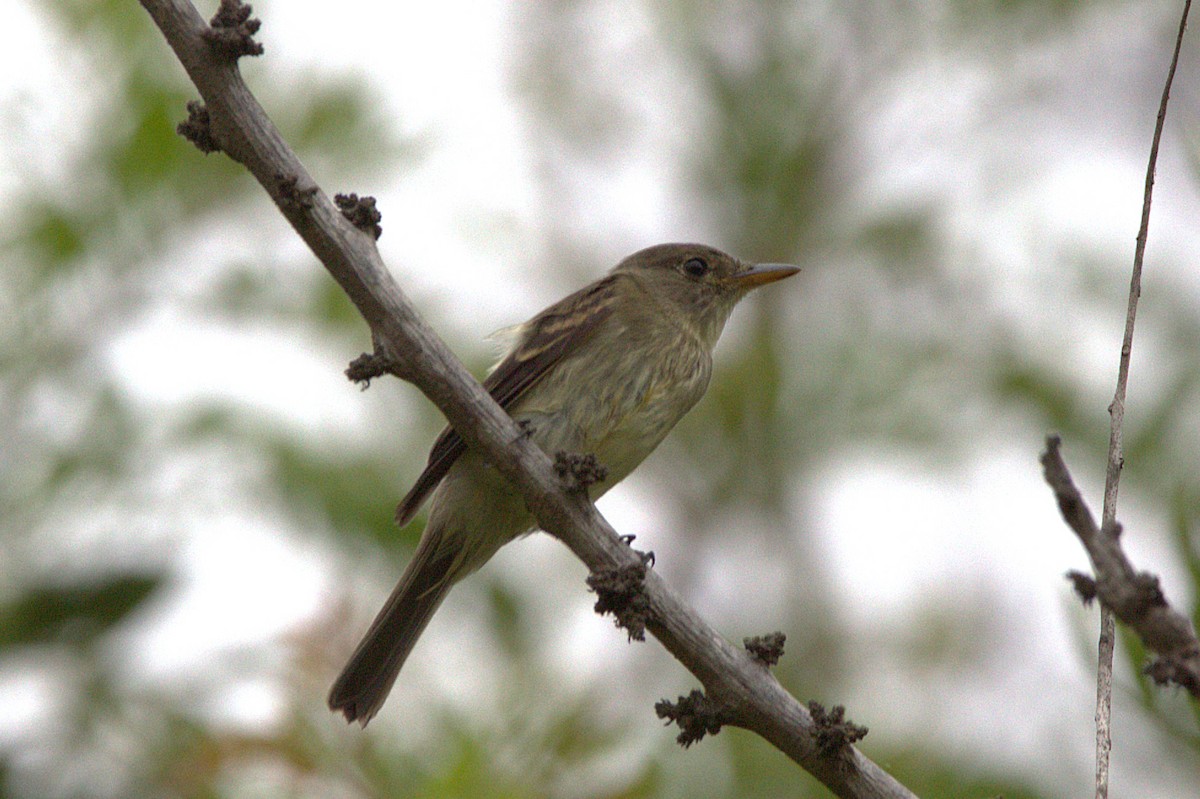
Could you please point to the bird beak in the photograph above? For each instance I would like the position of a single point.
(762, 274)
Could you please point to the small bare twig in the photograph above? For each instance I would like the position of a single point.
(621, 592)
(835, 732)
(361, 212)
(696, 716)
(1133, 596)
(1116, 456)
(767, 649)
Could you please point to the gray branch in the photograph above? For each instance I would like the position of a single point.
(750, 695)
(1134, 597)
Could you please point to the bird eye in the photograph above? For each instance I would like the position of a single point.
(695, 267)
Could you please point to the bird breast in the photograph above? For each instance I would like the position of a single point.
(618, 407)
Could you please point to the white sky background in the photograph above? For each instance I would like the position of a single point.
(438, 238)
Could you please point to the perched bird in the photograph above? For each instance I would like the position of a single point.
(608, 371)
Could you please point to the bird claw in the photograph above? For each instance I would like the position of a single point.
(647, 557)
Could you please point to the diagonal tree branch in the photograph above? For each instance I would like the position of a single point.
(736, 682)
(1133, 596)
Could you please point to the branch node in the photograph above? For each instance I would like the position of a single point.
(1112, 530)
(361, 212)
(766, 649)
(1147, 593)
(197, 128)
(1070, 502)
(695, 714)
(1134, 597)
(1177, 668)
(368, 366)
(1084, 586)
(290, 195)
(231, 31)
(527, 429)
(832, 731)
(578, 470)
(621, 592)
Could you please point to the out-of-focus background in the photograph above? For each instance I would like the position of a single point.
(196, 506)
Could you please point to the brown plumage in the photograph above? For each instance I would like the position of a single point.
(608, 370)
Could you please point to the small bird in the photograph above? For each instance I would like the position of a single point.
(608, 371)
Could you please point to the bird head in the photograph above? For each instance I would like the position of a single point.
(698, 285)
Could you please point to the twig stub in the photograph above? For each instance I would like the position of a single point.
(366, 367)
(621, 592)
(231, 30)
(1084, 585)
(197, 128)
(766, 649)
(695, 714)
(1178, 668)
(290, 193)
(578, 470)
(361, 212)
(833, 732)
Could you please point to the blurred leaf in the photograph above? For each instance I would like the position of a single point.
(747, 423)
(151, 153)
(1046, 392)
(904, 242)
(341, 125)
(56, 236)
(1144, 442)
(1185, 529)
(355, 495)
(933, 775)
(767, 158)
(1137, 656)
(76, 614)
(119, 22)
(977, 13)
(332, 307)
(576, 734)
(505, 612)
(471, 771)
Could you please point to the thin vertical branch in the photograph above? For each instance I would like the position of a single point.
(1116, 410)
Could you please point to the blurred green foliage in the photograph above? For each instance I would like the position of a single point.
(775, 180)
(74, 613)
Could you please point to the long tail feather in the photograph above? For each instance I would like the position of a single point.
(365, 682)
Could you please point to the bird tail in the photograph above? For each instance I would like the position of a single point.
(364, 683)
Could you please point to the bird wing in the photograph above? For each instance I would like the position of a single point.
(547, 338)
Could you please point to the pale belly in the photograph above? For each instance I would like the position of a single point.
(619, 416)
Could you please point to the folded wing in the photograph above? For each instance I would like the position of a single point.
(547, 339)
